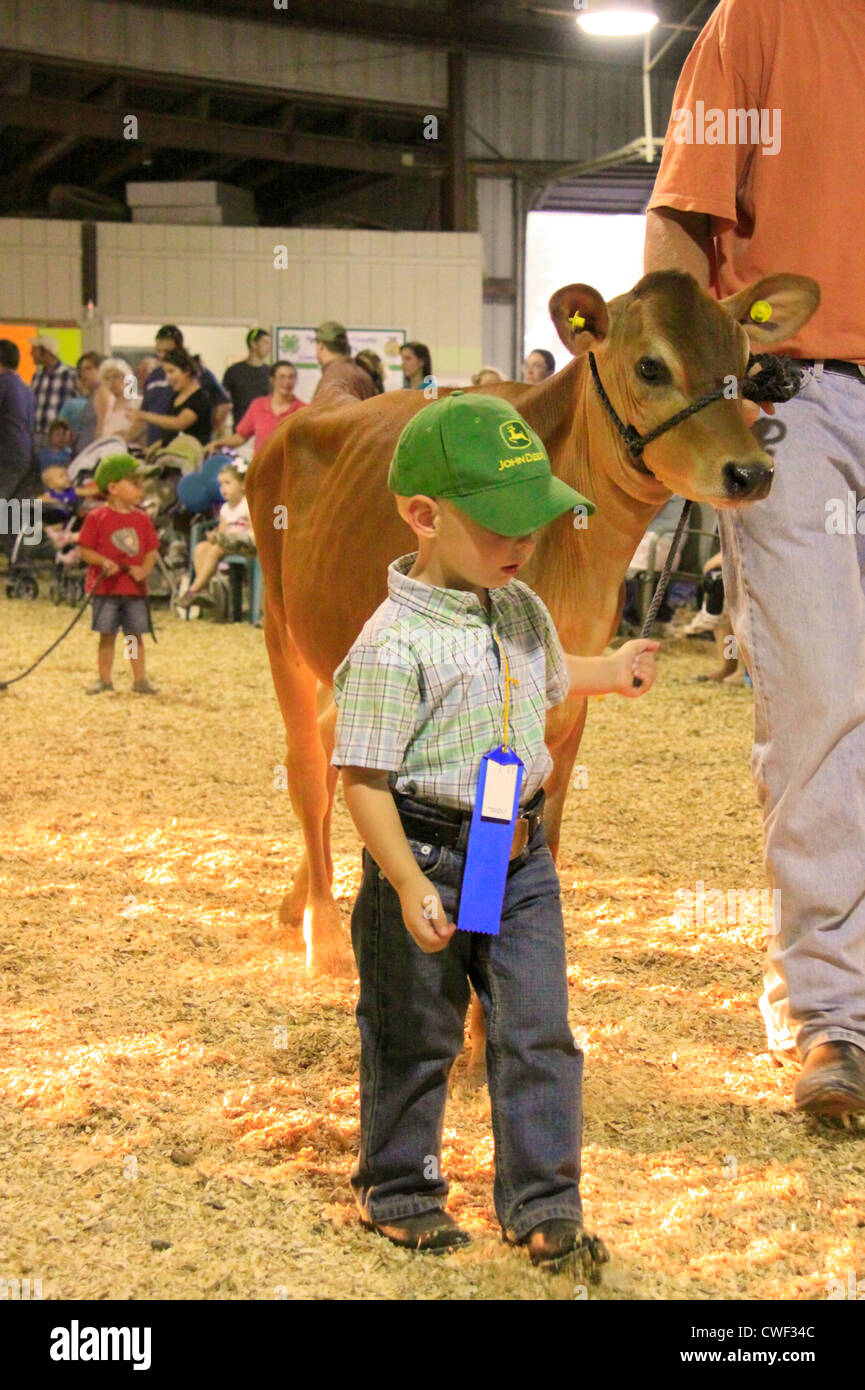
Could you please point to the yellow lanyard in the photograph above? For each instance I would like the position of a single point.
(509, 681)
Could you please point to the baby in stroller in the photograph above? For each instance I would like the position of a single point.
(67, 501)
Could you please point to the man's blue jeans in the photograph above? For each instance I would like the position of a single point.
(411, 1014)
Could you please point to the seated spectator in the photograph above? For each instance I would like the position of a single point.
(188, 409)
(158, 390)
(416, 365)
(146, 364)
(233, 536)
(660, 530)
(220, 402)
(488, 376)
(372, 363)
(713, 618)
(58, 450)
(81, 411)
(538, 365)
(265, 412)
(118, 407)
(250, 379)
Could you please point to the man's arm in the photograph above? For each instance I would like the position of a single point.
(678, 241)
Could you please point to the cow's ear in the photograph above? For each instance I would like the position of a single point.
(572, 304)
(773, 309)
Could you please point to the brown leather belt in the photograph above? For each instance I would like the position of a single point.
(449, 829)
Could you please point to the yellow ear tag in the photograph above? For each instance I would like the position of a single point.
(761, 310)
(577, 321)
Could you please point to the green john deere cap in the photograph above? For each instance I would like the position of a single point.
(115, 467)
(479, 453)
(330, 331)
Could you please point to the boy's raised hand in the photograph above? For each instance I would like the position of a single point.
(424, 916)
(635, 661)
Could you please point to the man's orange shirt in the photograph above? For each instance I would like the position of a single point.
(802, 209)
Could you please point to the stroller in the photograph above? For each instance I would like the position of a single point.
(49, 552)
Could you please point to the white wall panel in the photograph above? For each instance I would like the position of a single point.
(40, 269)
(429, 283)
(240, 51)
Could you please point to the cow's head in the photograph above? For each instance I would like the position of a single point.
(662, 346)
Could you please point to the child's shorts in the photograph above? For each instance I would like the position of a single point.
(235, 545)
(111, 612)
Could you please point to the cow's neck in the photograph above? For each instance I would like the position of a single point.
(579, 571)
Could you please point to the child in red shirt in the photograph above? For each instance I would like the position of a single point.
(120, 544)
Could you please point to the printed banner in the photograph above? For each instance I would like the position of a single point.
(297, 344)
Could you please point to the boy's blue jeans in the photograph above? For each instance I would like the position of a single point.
(411, 1014)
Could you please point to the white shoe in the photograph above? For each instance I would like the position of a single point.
(700, 623)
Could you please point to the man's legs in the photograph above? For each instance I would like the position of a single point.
(795, 592)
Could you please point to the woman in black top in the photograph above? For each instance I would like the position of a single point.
(190, 408)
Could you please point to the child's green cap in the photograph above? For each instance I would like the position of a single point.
(479, 453)
(113, 468)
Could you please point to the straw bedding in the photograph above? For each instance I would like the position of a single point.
(179, 1100)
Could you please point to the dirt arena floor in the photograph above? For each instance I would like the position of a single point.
(179, 1102)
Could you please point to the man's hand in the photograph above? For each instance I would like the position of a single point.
(634, 660)
(424, 915)
(751, 410)
(110, 566)
(138, 572)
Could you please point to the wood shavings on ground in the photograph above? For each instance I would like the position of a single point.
(179, 1099)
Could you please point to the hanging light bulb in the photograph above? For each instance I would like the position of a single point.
(617, 18)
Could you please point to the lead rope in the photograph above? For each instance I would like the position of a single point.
(509, 681)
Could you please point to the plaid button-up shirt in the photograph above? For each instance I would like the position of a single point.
(51, 390)
(420, 695)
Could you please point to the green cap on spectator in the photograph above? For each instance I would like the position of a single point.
(331, 332)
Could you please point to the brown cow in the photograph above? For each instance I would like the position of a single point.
(327, 527)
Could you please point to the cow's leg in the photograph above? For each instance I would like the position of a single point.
(294, 903)
(563, 755)
(307, 775)
(558, 782)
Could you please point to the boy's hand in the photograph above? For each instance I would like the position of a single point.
(634, 660)
(424, 916)
(138, 572)
(110, 566)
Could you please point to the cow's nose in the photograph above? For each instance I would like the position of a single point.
(751, 480)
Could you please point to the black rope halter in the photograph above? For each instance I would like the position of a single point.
(778, 379)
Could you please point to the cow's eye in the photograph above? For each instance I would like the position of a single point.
(651, 369)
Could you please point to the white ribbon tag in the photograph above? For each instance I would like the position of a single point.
(498, 799)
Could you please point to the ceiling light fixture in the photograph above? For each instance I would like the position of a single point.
(616, 18)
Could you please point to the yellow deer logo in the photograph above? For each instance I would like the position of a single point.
(514, 434)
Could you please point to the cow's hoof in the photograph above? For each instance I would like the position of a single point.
(291, 937)
(332, 958)
(293, 905)
(330, 950)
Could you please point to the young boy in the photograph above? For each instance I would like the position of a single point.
(421, 699)
(120, 545)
